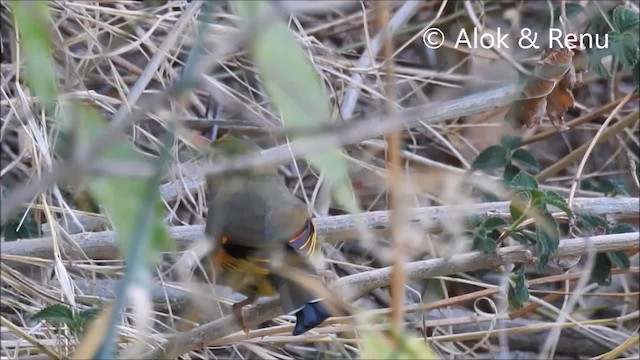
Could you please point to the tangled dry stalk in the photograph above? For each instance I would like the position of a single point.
(134, 63)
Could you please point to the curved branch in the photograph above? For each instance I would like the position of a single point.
(102, 245)
(352, 133)
(361, 283)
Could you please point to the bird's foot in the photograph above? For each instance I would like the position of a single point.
(327, 276)
(238, 311)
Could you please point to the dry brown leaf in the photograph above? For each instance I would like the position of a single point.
(538, 88)
(558, 102)
(550, 89)
(530, 109)
(554, 64)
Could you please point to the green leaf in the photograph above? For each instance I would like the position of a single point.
(625, 47)
(89, 314)
(599, 68)
(57, 314)
(537, 201)
(161, 240)
(82, 318)
(523, 237)
(621, 229)
(624, 19)
(394, 345)
(548, 238)
(619, 259)
(510, 171)
(296, 90)
(518, 206)
(601, 272)
(607, 186)
(484, 243)
(17, 228)
(32, 21)
(635, 74)
(595, 224)
(511, 142)
(63, 144)
(493, 223)
(554, 199)
(526, 160)
(598, 25)
(491, 158)
(524, 181)
(475, 221)
(123, 198)
(518, 289)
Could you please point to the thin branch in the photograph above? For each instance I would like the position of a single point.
(592, 144)
(590, 116)
(357, 285)
(579, 152)
(64, 170)
(350, 134)
(366, 59)
(102, 245)
(395, 175)
(155, 62)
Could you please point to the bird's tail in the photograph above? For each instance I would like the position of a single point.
(312, 314)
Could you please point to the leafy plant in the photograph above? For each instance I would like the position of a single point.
(59, 314)
(621, 26)
(518, 289)
(32, 22)
(394, 345)
(17, 228)
(486, 233)
(132, 203)
(121, 198)
(529, 201)
(607, 186)
(507, 156)
(296, 90)
(596, 225)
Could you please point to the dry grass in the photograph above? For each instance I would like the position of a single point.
(123, 57)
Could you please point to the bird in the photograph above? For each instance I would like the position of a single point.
(255, 222)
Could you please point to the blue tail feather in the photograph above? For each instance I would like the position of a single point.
(311, 315)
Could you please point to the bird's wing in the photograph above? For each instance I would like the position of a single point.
(291, 285)
(216, 218)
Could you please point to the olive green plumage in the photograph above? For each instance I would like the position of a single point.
(254, 220)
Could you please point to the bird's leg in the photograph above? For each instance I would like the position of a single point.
(327, 276)
(238, 312)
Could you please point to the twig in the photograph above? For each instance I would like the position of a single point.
(355, 286)
(421, 160)
(577, 153)
(353, 133)
(394, 173)
(351, 95)
(102, 245)
(594, 141)
(153, 65)
(497, 49)
(625, 346)
(63, 170)
(19, 332)
(591, 115)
